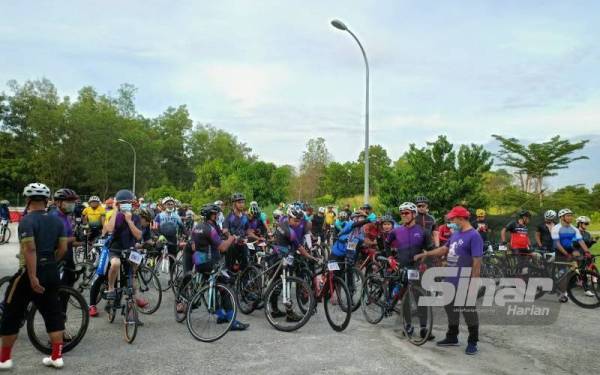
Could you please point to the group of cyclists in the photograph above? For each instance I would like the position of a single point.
(46, 235)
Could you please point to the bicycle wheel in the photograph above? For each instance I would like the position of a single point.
(583, 289)
(211, 313)
(530, 271)
(355, 280)
(337, 304)
(415, 317)
(164, 268)
(293, 317)
(5, 235)
(373, 300)
(76, 322)
(183, 297)
(491, 271)
(249, 289)
(85, 272)
(177, 276)
(130, 319)
(148, 289)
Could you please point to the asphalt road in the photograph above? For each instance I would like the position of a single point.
(165, 347)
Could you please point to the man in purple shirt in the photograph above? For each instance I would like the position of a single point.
(464, 249)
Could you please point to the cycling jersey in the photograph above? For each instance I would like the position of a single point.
(445, 233)
(587, 238)
(565, 235)
(257, 226)
(330, 218)
(4, 212)
(286, 238)
(122, 237)
(94, 215)
(109, 214)
(46, 230)
(350, 238)
(409, 241)
(237, 225)
(426, 222)
(168, 217)
(207, 240)
(545, 236)
(372, 217)
(519, 239)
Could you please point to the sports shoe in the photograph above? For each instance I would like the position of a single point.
(563, 299)
(239, 326)
(292, 317)
(110, 296)
(448, 342)
(6, 365)
(93, 311)
(424, 333)
(589, 293)
(471, 349)
(56, 363)
(409, 329)
(276, 313)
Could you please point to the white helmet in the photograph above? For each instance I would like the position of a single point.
(277, 213)
(564, 211)
(36, 189)
(583, 219)
(322, 210)
(408, 206)
(254, 203)
(550, 215)
(167, 199)
(218, 203)
(94, 198)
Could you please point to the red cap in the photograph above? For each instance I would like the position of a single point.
(458, 211)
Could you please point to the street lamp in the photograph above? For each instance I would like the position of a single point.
(134, 161)
(341, 26)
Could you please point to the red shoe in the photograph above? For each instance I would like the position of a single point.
(93, 311)
(141, 302)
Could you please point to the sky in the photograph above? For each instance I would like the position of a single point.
(276, 73)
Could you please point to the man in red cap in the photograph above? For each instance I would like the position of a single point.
(463, 249)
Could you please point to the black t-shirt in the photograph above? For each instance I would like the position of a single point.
(426, 222)
(545, 236)
(46, 231)
(317, 224)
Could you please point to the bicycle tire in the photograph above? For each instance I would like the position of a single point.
(340, 288)
(130, 319)
(42, 344)
(407, 300)
(184, 296)
(198, 302)
(355, 291)
(277, 286)
(6, 238)
(372, 295)
(574, 289)
(492, 271)
(165, 277)
(147, 280)
(249, 289)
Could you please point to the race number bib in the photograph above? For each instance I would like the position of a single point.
(333, 266)
(352, 245)
(135, 257)
(250, 246)
(413, 275)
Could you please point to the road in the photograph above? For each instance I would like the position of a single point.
(166, 347)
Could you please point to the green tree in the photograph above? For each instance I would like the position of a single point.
(379, 163)
(315, 159)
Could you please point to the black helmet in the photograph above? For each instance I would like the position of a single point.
(209, 209)
(367, 206)
(387, 218)
(124, 195)
(236, 197)
(65, 194)
(146, 214)
(524, 213)
(421, 199)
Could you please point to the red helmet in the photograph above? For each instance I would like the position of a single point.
(458, 211)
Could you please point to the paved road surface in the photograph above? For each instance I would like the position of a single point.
(165, 347)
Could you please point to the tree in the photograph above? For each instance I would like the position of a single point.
(537, 161)
(379, 162)
(312, 169)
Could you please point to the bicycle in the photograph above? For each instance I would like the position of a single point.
(5, 232)
(163, 263)
(379, 302)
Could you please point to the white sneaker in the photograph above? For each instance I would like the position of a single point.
(6, 365)
(57, 363)
(589, 293)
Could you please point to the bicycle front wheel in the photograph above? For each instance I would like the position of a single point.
(5, 235)
(211, 312)
(76, 322)
(583, 289)
(249, 289)
(149, 289)
(130, 321)
(355, 280)
(284, 314)
(417, 320)
(373, 300)
(337, 304)
(164, 268)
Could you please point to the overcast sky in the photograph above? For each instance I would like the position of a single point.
(275, 73)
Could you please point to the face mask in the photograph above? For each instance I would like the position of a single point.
(170, 209)
(453, 227)
(68, 207)
(125, 207)
(144, 205)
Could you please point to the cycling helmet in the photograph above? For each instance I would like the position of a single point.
(94, 198)
(36, 190)
(124, 195)
(583, 219)
(208, 210)
(550, 215)
(387, 218)
(5, 202)
(168, 199)
(358, 213)
(564, 211)
(254, 210)
(408, 206)
(218, 203)
(366, 206)
(65, 194)
(343, 215)
(480, 212)
(421, 199)
(236, 197)
(322, 210)
(277, 213)
(146, 214)
(296, 212)
(524, 213)
(254, 203)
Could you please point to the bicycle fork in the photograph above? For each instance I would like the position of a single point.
(286, 288)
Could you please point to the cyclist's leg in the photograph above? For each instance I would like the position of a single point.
(17, 297)
(113, 271)
(472, 320)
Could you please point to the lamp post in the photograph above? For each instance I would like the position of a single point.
(341, 26)
(134, 161)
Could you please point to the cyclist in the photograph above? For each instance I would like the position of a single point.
(582, 223)
(206, 248)
(408, 240)
(169, 224)
(220, 217)
(308, 210)
(237, 224)
(94, 216)
(387, 225)
(256, 224)
(464, 249)
(350, 239)
(108, 207)
(318, 224)
(519, 237)
(565, 235)
(543, 232)
(65, 204)
(425, 220)
(445, 231)
(368, 209)
(4, 216)
(482, 225)
(340, 222)
(43, 243)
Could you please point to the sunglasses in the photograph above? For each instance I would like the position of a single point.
(585, 223)
(405, 213)
(421, 205)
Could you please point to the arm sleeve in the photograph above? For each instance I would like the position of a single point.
(555, 233)
(215, 239)
(578, 236)
(26, 231)
(511, 226)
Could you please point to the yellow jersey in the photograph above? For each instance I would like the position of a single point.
(330, 218)
(108, 215)
(94, 215)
